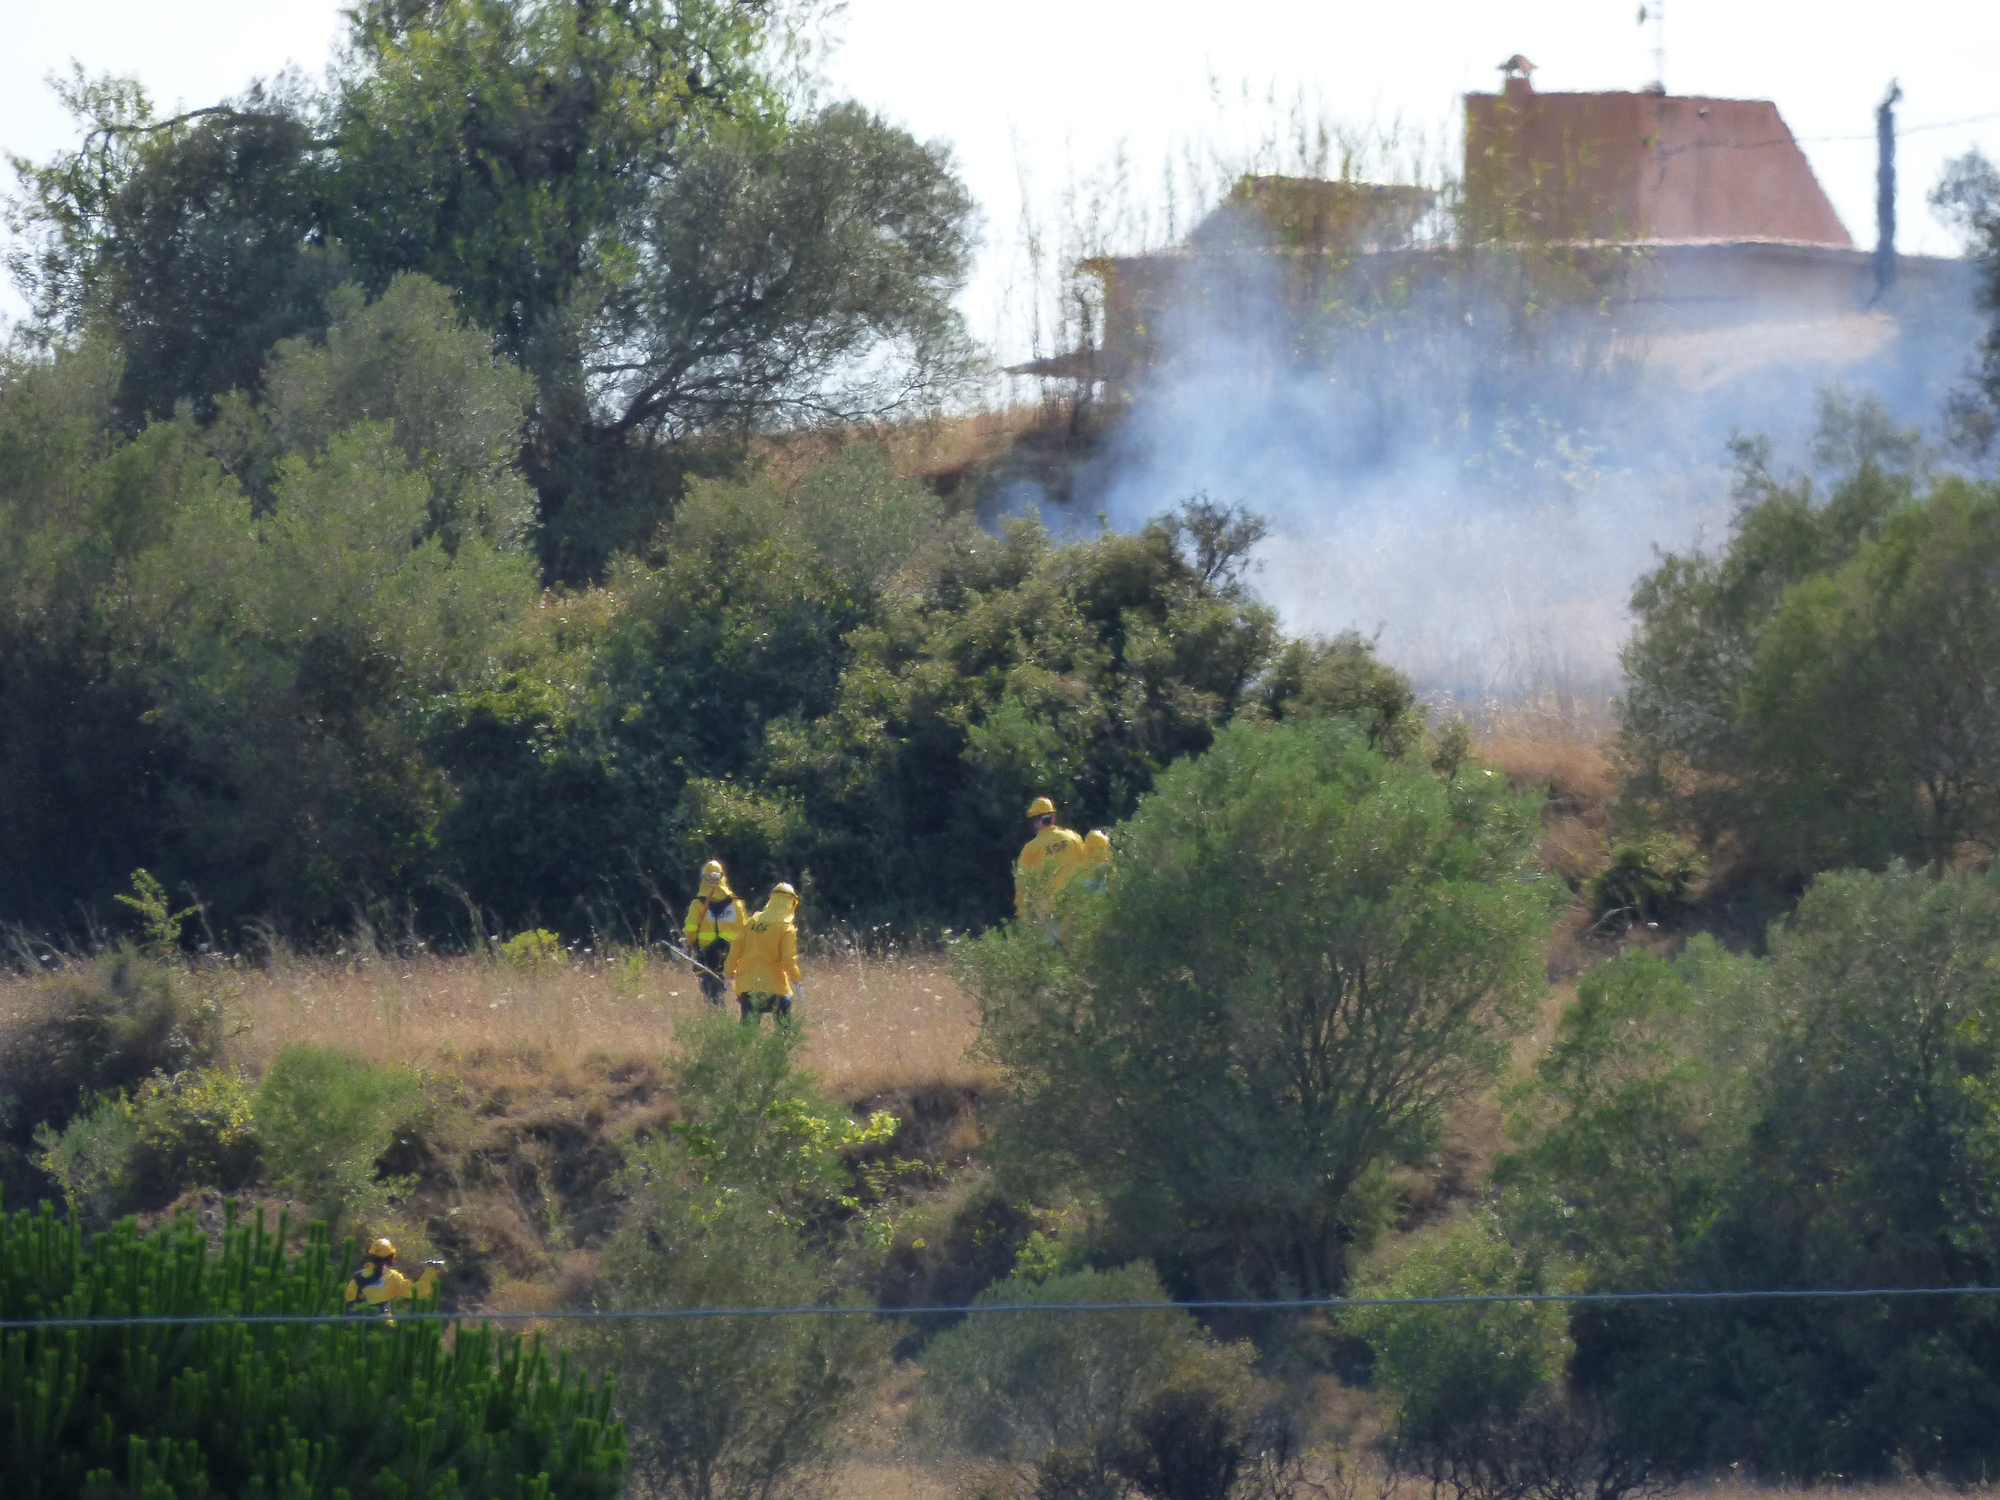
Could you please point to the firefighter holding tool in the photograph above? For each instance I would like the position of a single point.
(376, 1282)
(714, 922)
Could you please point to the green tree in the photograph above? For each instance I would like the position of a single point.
(1689, 751)
(405, 358)
(295, 654)
(1628, 1132)
(497, 146)
(1821, 1118)
(1006, 669)
(1873, 704)
(194, 243)
(770, 278)
(1309, 950)
(83, 773)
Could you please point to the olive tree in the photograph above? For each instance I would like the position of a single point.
(1308, 951)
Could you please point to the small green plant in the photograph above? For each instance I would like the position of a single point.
(158, 920)
(537, 948)
(196, 1129)
(1651, 879)
(323, 1118)
(91, 1159)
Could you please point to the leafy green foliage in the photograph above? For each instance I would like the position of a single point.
(1309, 951)
(456, 408)
(194, 245)
(322, 1119)
(120, 1153)
(1446, 1369)
(1871, 703)
(1650, 878)
(496, 146)
(771, 276)
(360, 1408)
(537, 948)
(739, 1204)
(158, 920)
(1066, 1391)
(248, 682)
(90, 1159)
(1824, 1117)
(102, 1026)
(1820, 690)
(196, 1129)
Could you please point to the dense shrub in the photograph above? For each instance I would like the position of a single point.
(1821, 1118)
(97, 1026)
(743, 1203)
(1820, 693)
(1080, 1398)
(1649, 879)
(227, 1408)
(90, 1160)
(323, 1119)
(196, 1129)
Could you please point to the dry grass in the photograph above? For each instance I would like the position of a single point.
(872, 1023)
(940, 451)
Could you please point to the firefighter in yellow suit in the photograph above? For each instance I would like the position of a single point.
(1047, 861)
(714, 919)
(764, 960)
(376, 1282)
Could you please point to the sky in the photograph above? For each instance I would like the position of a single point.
(1044, 92)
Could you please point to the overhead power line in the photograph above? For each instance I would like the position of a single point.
(849, 1310)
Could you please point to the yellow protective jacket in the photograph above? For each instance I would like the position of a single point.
(373, 1285)
(1093, 863)
(1045, 866)
(713, 917)
(764, 959)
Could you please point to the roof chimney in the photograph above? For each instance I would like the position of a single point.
(1514, 71)
(1885, 191)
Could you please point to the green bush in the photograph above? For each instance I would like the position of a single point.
(1447, 1370)
(1650, 879)
(1029, 1389)
(537, 948)
(189, 1130)
(322, 1119)
(1823, 1117)
(358, 1408)
(101, 1026)
(1822, 690)
(743, 1203)
(196, 1129)
(90, 1159)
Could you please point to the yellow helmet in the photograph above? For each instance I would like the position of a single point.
(382, 1249)
(783, 892)
(1041, 807)
(711, 873)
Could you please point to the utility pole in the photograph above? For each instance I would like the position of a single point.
(1885, 190)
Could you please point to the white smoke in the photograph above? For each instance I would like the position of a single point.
(1488, 531)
